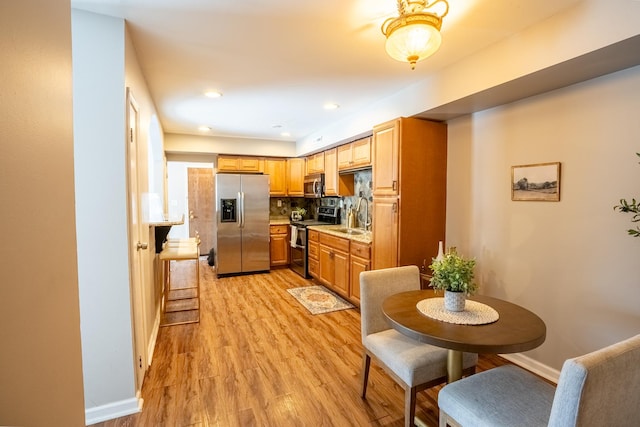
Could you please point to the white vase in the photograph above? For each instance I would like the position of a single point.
(454, 301)
(440, 256)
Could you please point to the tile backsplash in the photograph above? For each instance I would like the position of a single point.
(362, 188)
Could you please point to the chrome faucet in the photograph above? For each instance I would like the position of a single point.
(366, 211)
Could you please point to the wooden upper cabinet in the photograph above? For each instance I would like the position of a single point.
(355, 155)
(295, 177)
(315, 163)
(277, 171)
(330, 173)
(386, 146)
(227, 163)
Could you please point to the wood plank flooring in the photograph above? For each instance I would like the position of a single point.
(259, 358)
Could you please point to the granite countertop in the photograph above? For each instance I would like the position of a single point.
(279, 220)
(333, 230)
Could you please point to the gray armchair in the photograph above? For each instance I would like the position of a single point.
(598, 389)
(414, 365)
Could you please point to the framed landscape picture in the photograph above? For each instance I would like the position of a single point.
(539, 182)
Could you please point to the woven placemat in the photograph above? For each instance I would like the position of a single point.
(475, 313)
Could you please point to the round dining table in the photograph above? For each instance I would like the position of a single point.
(516, 330)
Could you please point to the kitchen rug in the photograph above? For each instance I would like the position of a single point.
(319, 300)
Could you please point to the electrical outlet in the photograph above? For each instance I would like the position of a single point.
(279, 203)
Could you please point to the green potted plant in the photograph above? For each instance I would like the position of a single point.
(453, 274)
(631, 207)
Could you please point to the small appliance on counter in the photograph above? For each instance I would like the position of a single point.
(300, 240)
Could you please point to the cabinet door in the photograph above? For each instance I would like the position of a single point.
(330, 173)
(276, 169)
(341, 273)
(384, 243)
(295, 177)
(250, 164)
(327, 266)
(361, 152)
(344, 157)
(279, 249)
(315, 163)
(227, 164)
(358, 265)
(386, 143)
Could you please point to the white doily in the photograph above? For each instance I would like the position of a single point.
(475, 313)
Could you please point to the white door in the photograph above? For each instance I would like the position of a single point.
(138, 243)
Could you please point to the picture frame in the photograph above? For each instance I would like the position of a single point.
(536, 182)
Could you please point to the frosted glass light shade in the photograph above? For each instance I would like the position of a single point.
(412, 38)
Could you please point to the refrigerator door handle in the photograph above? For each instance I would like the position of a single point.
(239, 209)
(242, 209)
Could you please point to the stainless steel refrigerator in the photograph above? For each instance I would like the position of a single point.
(242, 219)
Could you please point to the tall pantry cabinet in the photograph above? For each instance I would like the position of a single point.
(409, 191)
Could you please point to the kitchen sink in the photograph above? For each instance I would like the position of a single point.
(352, 231)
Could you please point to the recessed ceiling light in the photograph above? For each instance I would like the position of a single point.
(285, 134)
(276, 126)
(204, 128)
(331, 106)
(213, 94)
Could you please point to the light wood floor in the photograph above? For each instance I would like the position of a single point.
(258, 358)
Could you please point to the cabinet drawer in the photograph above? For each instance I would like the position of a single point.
(279, 229)
(314, 267)
(362, 250)
(314, 250)
(313, 235)
(337, 243)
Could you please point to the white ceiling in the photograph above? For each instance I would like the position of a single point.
(277, 62)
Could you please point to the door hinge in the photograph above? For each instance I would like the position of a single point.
(140, 361)
(131, 134)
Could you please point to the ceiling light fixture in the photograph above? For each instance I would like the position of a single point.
(331, 106)
(415, 34)
(204, 128)
(213, 94)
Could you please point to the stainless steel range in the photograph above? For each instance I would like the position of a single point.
(300, 241)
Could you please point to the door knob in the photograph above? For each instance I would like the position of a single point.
(140, 245)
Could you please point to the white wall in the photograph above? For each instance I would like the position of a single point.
(570, 262)
(151, 180)
(105, 64)
(195, 144)
(101, 208)
(586, 27)
(40, 353)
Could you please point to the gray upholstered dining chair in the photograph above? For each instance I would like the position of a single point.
(598, 389)
(414, 365)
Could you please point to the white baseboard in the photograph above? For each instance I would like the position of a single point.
(113, 410)
(531, 365)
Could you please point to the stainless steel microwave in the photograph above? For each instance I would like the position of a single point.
(314, 186)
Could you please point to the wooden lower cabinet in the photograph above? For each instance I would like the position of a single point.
(334, 263)
(313, 261)
(360, 261)
(279, 245)
(337, 263)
